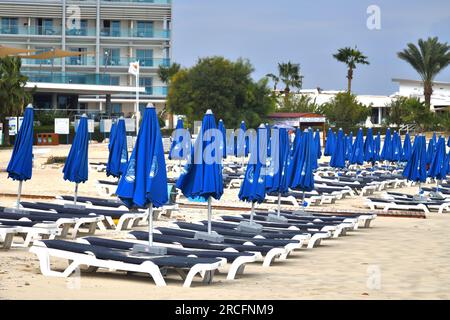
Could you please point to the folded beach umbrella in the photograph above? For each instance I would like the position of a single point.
(181, 143)
(406, 150)
(277, 178)
(438, 160)
(318, 144)
(144, 184)
(76, 167)
(448, 143)
(377, 147)
(396, 147)
(348, 146)
(118, 153)
(430, 150)
(253, 187)
(21, 163)
(223, 144)
(231, 143)
(269, 139)
(329, 143)
(338, 157)
(415, 169)
(369, 146)
(386, 152)
(434, 137)
(112, 133)
(300, 171)
(241, 148)
(203, 173)
(297, 140)
(315, 162)
(357, 155)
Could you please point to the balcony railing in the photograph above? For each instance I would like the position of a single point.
(134, 33)
(81, 32)
(125, 62)
(80, 61)
(141, 1)
(31, 30)
(69, 78)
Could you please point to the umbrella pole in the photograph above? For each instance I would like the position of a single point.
(76, 194)
(209, 215)
(252, 213)
(279, 204)
(150, 225)
(19, 193)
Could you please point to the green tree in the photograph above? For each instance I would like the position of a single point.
(298, 104)
(224, 86)
(13, 96)
(165, 73)
(289, 74)
(351, 57)
(429, 58)
(344, 110)
(397, 111)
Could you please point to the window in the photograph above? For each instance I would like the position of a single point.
(41, 50)
(116, 108)
(111, 28)
(10, 26)
(115, 80)
(145, 57)
(44, 26)
(147, 83)
(145, 29)
(111, 56)
(78, 60)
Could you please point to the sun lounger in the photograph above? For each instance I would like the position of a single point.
(95, 257)
(6, 236)
(396, 204)
(237, 260)
(31, 231)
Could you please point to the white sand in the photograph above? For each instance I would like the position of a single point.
(398, 258)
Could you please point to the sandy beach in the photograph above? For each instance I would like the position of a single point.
(397, 258)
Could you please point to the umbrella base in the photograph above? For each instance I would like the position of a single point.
(276, 219)
(211, 237)
(146, 250)
(15, 210)
(249, 227)
(74, 206)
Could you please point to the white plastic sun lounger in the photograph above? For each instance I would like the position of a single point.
(78, 254)
(31, 231)
(6, 236)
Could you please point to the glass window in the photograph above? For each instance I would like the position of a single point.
(147, 83)
(145, 29)
(145, 57)
(10, 25)
(111, 56)
(116, 108)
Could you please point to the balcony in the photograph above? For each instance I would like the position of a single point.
(141, 1)
(69, 78)
(81, 32)
(125, 62)
(135, 33)
(31, 31)
(81, 61)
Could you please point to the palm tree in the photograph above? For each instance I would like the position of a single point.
(12, 91)
(428, 59)
(351, 57)
(289, 74)
(166, 73)
(274, 79)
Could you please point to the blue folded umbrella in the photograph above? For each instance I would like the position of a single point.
(416, 168)
(242, 142)
(338, 157)
(329, 143)
(386, 152)
(21, 162)
(181, 142)
(318, 144)
(357, 155)
(300, 171)
(231, 143)
(276, 180)
(118, 153)
(348, 146)
(112, 133)
(369, 146)
(430, 150)
(145, 180)
(223, 145)
(396, 147)
(253, 187)
(377, 147)
(436, 171)
(406, 150)
(76, 166)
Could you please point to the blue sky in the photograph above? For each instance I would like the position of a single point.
(309, 32)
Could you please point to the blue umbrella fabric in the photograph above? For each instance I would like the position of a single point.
(377, 147)
(118, 153)
(112, 134)
(269, 139)
(415, 169)
(180, 147)
(357, 155)
(338, 157)
(396, 147)
(20, 166)
(223, 145)
(329, 143)
(145, 180)
(315, 162)
(406, 150)
(277, 178)
(348, 146)
(253, 188)
(430, 150)
(386, 152)
(318, 144)
(241, 148)
(21, 162)
(436, 171)
(231, 143)
(369, 146)
(300, 170)
(76, 166)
